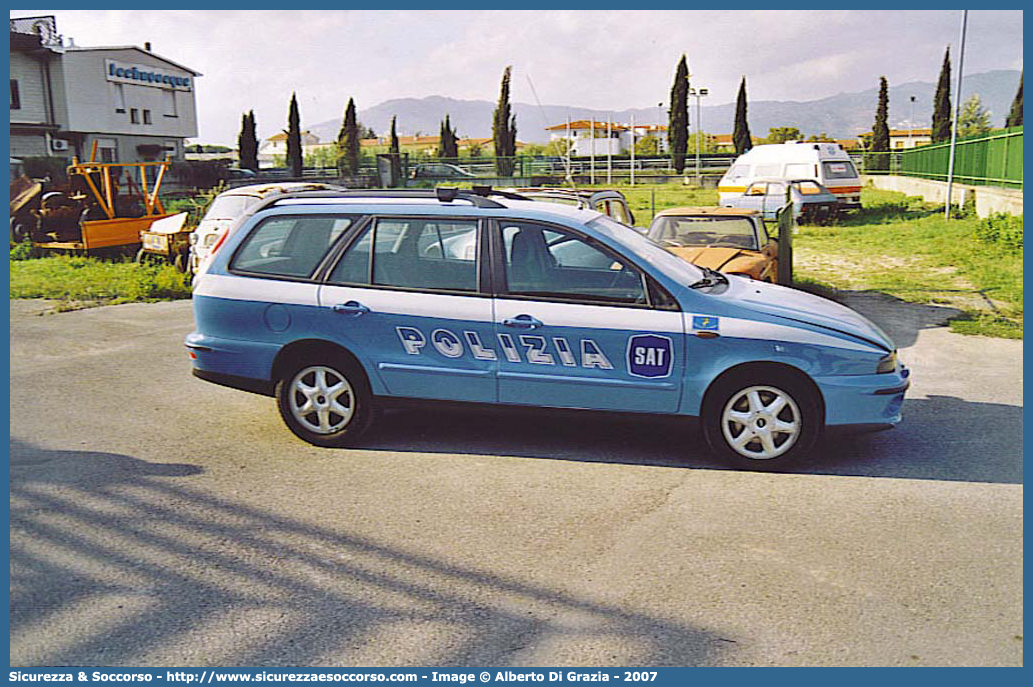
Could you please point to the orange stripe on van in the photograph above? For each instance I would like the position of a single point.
(844, 189)
(730, 189)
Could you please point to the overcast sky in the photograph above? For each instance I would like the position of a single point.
(599, 59)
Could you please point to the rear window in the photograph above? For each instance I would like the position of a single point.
(841, 169)
(229, 207)
(289, 246)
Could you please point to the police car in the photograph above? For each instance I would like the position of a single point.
(340, 303)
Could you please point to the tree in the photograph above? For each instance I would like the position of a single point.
(348, 142)
(1015, 115)
(942, 102)
(294, 156)
(741, 138)
(974, 119)
(448, 141)
(881, 130)
(396, 153)
(247, 142)
(678, 126)
(647, 145)
(820, 138)
(781, 134)
(366, 132)
(503, 130)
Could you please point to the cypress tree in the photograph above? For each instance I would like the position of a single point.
(881, 129)
(448, 141)
(942, 102)
(741, 138)
(348, 141)
(503, 129)
(396, 154)
(678, 128)
(247, 143)
(1015, 115)
(294, 155)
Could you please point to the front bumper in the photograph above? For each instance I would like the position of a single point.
(865, 400)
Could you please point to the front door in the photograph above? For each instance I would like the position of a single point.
(575, 327)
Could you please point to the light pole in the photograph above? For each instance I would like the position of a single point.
(659, 121)
(698, 93)
(910, 121)
(957, 110)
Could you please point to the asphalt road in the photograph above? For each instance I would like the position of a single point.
(160, 520)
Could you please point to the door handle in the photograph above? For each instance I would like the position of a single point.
(350, 308)
(522, 322)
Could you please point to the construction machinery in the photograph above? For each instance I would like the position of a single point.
(104, 206)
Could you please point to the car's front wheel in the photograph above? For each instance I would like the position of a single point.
(325, 402)
(762, 423)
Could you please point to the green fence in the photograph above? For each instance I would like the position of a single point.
(994, 160)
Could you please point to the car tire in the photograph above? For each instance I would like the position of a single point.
(325, 402)
(767, 421)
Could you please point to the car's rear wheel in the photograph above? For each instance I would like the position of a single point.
(324, 402)
(765, 422)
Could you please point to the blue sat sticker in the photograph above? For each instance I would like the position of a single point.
(705, 322)
(650, 356)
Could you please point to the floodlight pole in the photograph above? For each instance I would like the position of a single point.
(957, 110)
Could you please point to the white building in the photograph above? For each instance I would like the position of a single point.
(135, 104)
(601, 138)
(276, 146)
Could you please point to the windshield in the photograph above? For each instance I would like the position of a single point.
(228, 207)
(729, 232)
(680, 270)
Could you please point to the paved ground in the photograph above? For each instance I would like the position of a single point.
(160, 520)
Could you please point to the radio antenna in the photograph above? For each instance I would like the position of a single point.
(541, 111)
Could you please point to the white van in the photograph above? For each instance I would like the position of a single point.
(826, 163)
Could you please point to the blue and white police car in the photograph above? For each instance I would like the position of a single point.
(339, 303)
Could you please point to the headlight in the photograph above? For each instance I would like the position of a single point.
(887, 364)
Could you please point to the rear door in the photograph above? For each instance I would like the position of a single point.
(406, 298)
(579, 327)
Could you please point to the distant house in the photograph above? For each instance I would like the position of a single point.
(604, 138)
(276, 146)
(723, 143)
(901, 139)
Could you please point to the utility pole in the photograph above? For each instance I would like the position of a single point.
(591, 153)
(632, 149)
(957, 110)
(699, 129)
(609, 149)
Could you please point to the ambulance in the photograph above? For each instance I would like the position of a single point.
(826, 163)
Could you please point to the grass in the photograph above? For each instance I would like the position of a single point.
(905, 248)
(78, 282)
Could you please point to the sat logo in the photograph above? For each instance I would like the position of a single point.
(650, 356)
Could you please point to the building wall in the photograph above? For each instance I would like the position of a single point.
(93, 100)
(29, 145)
(28, 72)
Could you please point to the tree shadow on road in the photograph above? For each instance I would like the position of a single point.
(116, 561)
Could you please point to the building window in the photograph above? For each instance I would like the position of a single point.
(107, 149)
(170, 103)
(146, 116)
(120, 97)
(16, 100)
(134, 116)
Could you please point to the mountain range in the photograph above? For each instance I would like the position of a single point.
(840, 116)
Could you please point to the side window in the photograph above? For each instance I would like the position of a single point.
(553, 263)
(289, 246)
(438, 254)
(756, 189)
(777, 190)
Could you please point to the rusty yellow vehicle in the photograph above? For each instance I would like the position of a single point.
(730, 240)
(104, 205)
